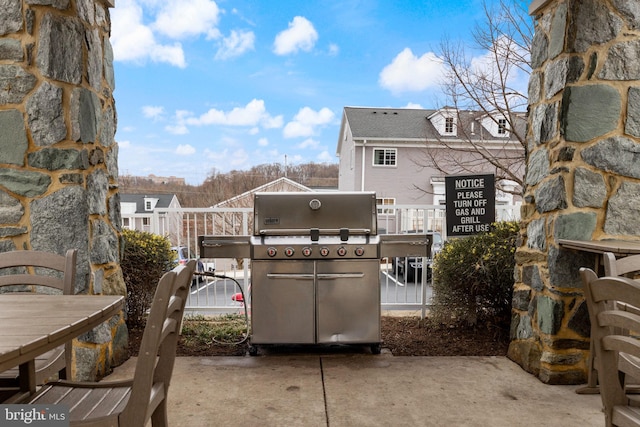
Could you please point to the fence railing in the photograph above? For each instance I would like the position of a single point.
(222, 294)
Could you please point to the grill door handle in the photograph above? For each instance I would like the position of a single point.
(327, 276)
(290, 276)
(334, 276)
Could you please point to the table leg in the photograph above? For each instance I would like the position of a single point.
(28, 376)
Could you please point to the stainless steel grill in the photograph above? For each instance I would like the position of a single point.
(315, 267)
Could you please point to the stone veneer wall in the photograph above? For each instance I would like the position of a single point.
(58, 157)
(583, 173)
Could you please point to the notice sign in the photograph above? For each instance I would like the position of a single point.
(471, 204)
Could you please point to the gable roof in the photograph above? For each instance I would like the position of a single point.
(164, 200)
(387, 123)
(410, 124)
(245, 199)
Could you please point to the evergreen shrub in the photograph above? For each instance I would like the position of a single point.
(473, 278)
(146, 257)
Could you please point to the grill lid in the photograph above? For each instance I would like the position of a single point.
(315, 214)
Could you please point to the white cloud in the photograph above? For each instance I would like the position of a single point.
(309, 143)
(236, 159)
(301, 35)
(326, 157)
(153, 112)
(296, 158)
(408, 73)
(185, 150)
(124, 144)
(179, 128)
(413, 105)
(180, 19)
(236, 44)
(263, 142)
(306, 121)
(133, 41)
(334, 49)
(253, 114)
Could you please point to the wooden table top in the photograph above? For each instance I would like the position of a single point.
(32, 324)
(618, 247)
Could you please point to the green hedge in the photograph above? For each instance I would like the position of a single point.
(473, 278)
(146, 257)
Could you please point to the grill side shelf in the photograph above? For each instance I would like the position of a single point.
(225, 246)
(392, 245)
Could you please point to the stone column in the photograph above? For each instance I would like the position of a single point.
(58, 158)
(583, 173)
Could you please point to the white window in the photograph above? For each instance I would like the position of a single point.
(147, 205)
(449, 125)
(125, 222)
(146, 221)
(384, 156)
(386, 201)
(502, 126)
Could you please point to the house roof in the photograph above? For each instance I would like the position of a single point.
(280, 184)
(164, 200)
(397, 124)
(387, 123)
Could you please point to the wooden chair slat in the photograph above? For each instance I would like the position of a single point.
(617, 353)
(626, 416)
(620, 318)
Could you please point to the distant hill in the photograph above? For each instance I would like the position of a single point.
(222, 186)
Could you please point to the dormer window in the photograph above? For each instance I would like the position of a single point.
(445, 121)
(502, 126)
(496, 124)
(150, 203)
(448, 125)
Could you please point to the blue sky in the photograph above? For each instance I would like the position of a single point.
(205, 85)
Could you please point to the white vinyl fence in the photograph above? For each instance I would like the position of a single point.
(222, 294)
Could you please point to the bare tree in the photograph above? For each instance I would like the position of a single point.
(485, 88)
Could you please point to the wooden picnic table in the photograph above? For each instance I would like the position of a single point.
(618, 247)
(32, 324)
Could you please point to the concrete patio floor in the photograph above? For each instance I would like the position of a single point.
(339, 390)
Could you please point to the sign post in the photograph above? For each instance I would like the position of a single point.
(471, 204)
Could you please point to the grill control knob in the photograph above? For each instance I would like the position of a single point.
(324, 251)
(359, 251)
(306, 251)
(342, 251)
(271, 251)
(289, 251)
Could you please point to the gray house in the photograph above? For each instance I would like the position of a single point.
(392, 151)
(143, 212)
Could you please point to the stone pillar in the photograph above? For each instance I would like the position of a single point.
(58, 158)
(583, 173)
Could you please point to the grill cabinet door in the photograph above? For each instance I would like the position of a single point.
(282, 302)
(348, 301)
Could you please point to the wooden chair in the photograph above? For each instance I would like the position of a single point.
(132, 402)
(617, 353)
(622, 266)
(51, 273)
